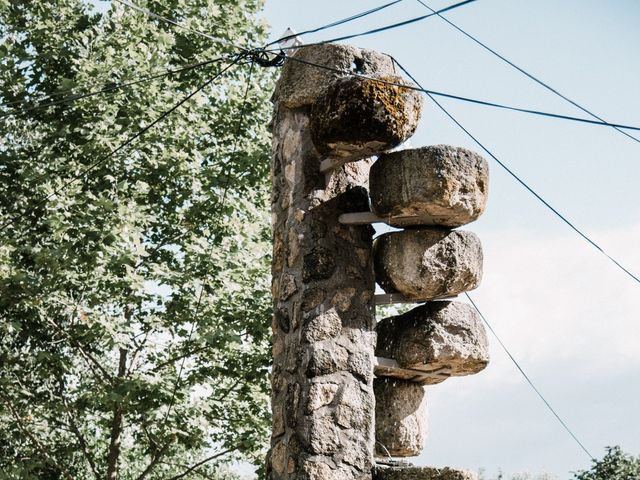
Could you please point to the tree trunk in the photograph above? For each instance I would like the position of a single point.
(116, 423)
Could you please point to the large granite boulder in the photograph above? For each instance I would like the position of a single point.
(427, 263)
(437, 185)
(401, 417)
(357, 117)
(434, 336)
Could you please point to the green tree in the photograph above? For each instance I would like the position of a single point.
(134, 304)
(615, 465)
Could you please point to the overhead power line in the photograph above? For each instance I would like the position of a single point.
(110, 87)
(128, 141)
(334, 24)
(380, 29)
(528, 380)
(524, 72)
(488, 152)
(151, 14)
(523, 183)
(418, 88)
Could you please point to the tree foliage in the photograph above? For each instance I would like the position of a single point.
(615, 465)
(134, 305)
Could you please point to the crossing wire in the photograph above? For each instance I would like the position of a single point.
(467, 99)
(482, 146)
(528, 380)
(221, 203)
(110, 87)
(151, 14)
(522, 182)
(523, 71)
(335, 24)
(128, 141)
(378, 30)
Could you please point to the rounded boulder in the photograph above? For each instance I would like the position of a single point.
(428, 263)
(436, 185)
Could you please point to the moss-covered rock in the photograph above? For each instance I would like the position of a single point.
(358, 117)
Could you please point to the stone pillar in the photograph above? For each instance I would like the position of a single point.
(323, 284)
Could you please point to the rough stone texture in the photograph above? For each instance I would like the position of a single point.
(323, 284)
(428, 263)
(401, 417)
(358, 117)
(301, 83)
(421, 473)
(437, 185)
(436, 335)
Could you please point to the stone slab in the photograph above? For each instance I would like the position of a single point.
(436, 185)
(421, 473)
(357, 117)
(401, 417)
(427, 263)
(436, 336)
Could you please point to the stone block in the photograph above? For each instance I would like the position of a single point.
(437, 185)
(401, 417)
(411, 472)
(436, 335)
(300, 83)
(358, 117)
(427, 263)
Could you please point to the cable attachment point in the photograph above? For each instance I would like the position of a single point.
(267, 59)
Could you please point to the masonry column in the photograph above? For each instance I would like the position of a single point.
(323, 285)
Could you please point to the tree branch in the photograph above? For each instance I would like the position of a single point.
(76, 431)
(154, 461)
(33, 439)
(106, 376)
(202, 462)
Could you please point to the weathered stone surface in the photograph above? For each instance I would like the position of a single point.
(428, 263)
(301, 83)
(358, 117)
(436, 335)
(401, 417)
(437, 185)
(421, 473)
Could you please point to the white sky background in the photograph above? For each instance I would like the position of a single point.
(567, 314)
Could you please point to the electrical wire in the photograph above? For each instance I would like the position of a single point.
(523, 71)
(221, 203)
(467, 99)
(334, 24)
(151, 14)
(528, 380)
(377, 30)
(523, 183)
(109, 87)
(128, 141)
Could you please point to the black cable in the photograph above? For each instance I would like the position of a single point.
(151, 14)
(467, 99)
(107, 88)
(524, 72)
(526, 377)
(335, 24)
(238, 130)
(221, 203)
(617, 126)
(523, 183)
(381, 29)
(138, 134)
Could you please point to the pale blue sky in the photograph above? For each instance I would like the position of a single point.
(567, 314)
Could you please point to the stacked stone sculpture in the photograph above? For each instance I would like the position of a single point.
(331, 134)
